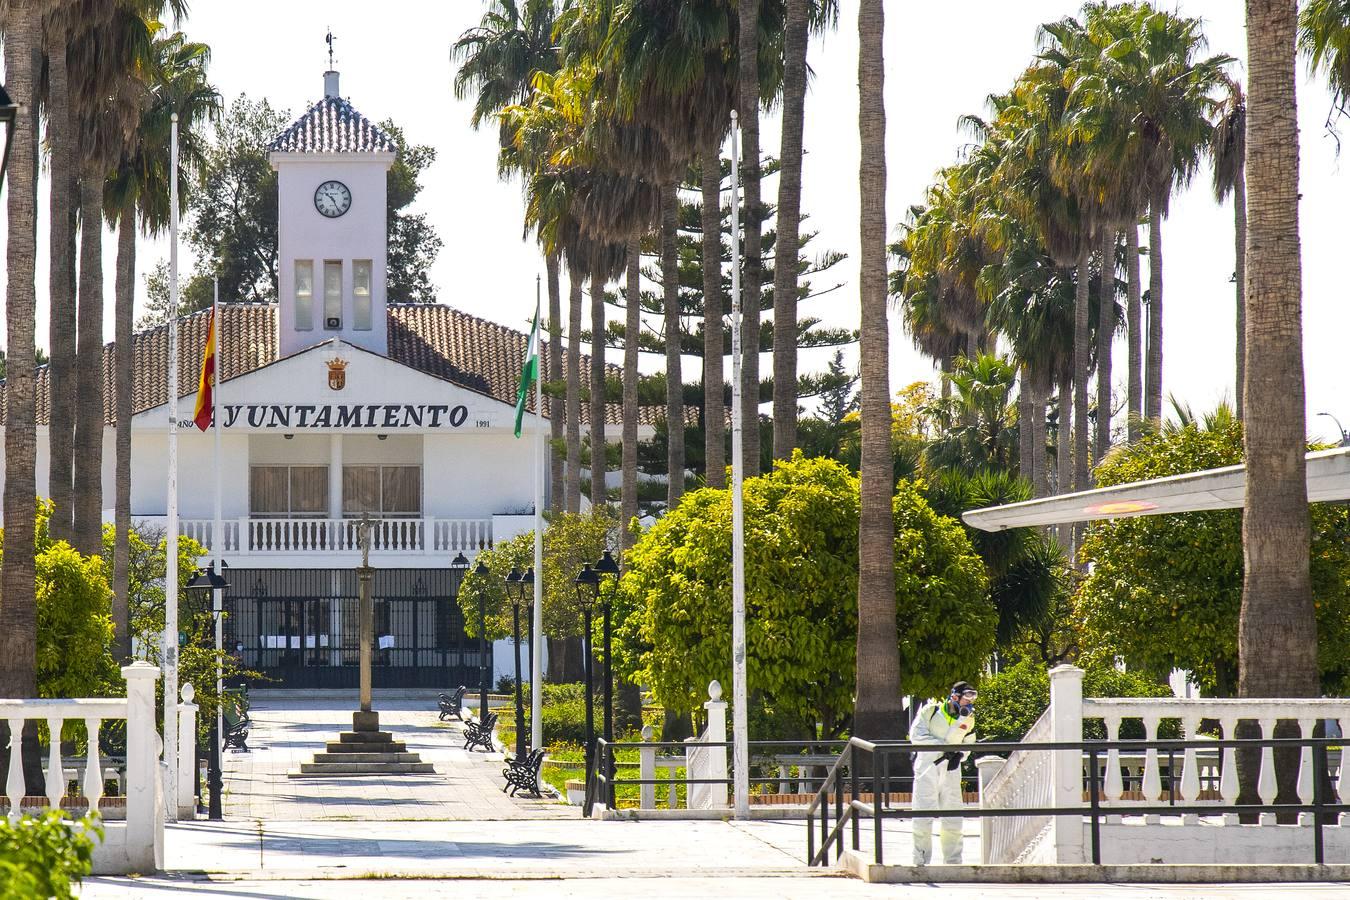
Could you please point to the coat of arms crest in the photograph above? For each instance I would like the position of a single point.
(337, 373)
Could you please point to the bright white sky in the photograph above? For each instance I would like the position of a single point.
(394, 62)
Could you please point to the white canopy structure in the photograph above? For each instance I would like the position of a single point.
(1328, 479)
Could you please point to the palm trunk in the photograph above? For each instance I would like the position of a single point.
(1040, 385)
(18, 611)
(670, 292)
(1025, 402)
(1240, 277)
(1106, 330)
(1277, 627)
(789, 224)
(124, 291)
(714, 383)
(752, 270)
(628, 501)
(62, 380)
(1081, 355)
(877, 706)
(1064, 456)
(1153, 376)
(1277, 633)
(599, 496)
(1135, 386)
(556, 411)
(89, 417)
(573, 475)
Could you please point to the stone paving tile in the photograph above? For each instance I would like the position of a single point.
(288, 732)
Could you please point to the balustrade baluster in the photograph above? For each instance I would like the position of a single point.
(1190, 770)
(93, 769)
(56, 773)
(1306, 771)
(14, 784)
(1152, 786)
(1342, 786)
(1228, 778)
(1115, 785)
(1267, 788)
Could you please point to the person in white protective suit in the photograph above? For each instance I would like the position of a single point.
(937, 776)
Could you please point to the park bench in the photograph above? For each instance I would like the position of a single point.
(479, 733)
(237, 724)
(451, 704)
(522, 773)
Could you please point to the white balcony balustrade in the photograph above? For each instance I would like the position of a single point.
(406, 536)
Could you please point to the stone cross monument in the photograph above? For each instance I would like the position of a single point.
(365, 719)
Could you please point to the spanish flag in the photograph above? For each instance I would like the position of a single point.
(206, 384)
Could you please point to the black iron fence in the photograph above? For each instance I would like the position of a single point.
(864, 768)
(301, 628)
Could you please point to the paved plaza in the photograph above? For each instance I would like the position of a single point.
(287, 732)
(455, 834)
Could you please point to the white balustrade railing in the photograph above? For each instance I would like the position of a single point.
(1057, 778)
(132, 845)
(321, 535)
(1022, 780)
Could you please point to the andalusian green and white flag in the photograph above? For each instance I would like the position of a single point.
(529, 372)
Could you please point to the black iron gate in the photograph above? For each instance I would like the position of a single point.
(301, 628)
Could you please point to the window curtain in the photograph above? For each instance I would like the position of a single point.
(268, 491)
(402, 490)
(309, 490)
(360, 491)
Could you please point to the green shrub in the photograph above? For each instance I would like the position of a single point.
(564, 713)
(1011, 701)
(41, 855)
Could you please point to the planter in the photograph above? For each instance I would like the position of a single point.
(576, 791)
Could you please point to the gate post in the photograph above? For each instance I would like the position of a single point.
(1066, 766)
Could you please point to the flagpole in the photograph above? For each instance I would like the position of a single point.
(218, 524)
(537, 633)
(171, 536)
(739, 719)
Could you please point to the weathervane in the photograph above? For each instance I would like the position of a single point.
(328, 39)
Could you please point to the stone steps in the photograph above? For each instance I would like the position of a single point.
(351, 758)
(367, 747)
(365, 768)
(365, 737)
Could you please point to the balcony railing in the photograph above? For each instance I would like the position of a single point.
(297, 536)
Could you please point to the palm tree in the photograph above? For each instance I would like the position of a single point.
(61, 375)
(137, 192)
(1228, 146)
(599, 492)
(714, 383)
(1324, 35)
(498, 62)
(877, 707)
(572, 483)
(670, 303)
(18, 611)
(1277, 632)
(628, 499)
(105, 59)
(1106, 332)
(748, 98)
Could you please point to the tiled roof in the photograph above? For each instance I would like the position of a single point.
(333, 126)
(445, 343)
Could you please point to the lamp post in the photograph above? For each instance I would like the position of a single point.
(588, 590)
(515, 592)
(1345, 435)
(481, 571)
(216, 584)
(459, 567)
(607, 566)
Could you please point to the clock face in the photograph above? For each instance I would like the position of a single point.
(332, 199)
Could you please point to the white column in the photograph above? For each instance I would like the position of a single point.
(988, 767)
(647, 771)
(187, 753)
(145, 810)
(1066, 766)
(335, 477)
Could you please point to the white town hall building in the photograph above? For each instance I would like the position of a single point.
(335, 404)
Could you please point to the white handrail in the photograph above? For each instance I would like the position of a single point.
(402, 535)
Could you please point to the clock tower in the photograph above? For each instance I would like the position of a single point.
(332, 238)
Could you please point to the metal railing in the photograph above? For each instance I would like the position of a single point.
(868, 762)
(602, 782)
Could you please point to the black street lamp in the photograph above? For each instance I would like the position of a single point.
(515, 591)
(588, 591)
(607, 566)
(481, 571)
(459, 567)
(210, 581)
